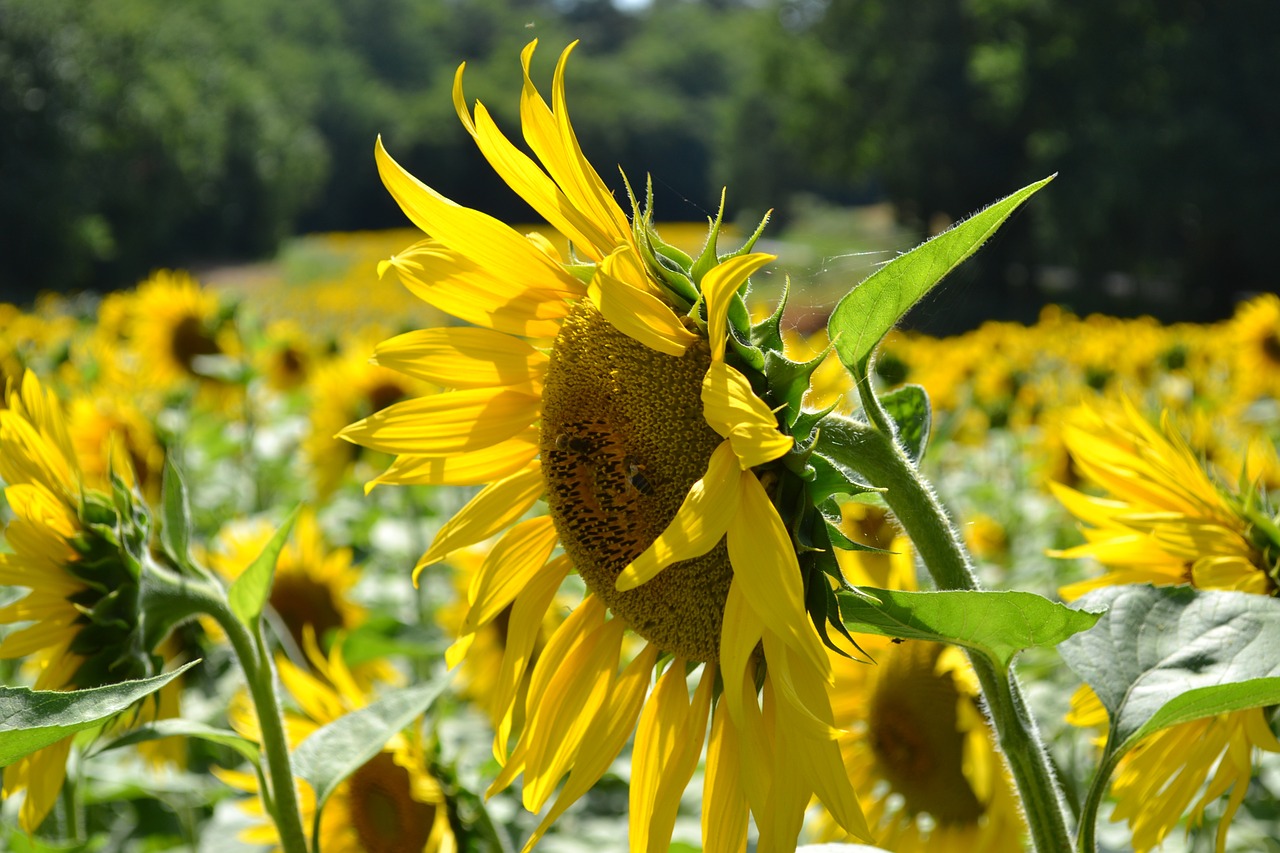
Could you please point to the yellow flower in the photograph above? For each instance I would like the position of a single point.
(109, 432)
(172, 324)
(580, 383)
(1165, 521)
(915, 739)
(1255, 333)
(390, 804)
(311, 587)
(82, 598)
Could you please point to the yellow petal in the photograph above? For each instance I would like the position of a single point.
(764, 560)
(476, 236)
(514, 561)
(583, 620)
(733, 410)
(739, 636)
(789, 795)
(719, 285)
(724, 803)
(819, 759)
(668, 742)
(453, 284)
(638, 314)
(526, 178)
(463, 469)
(609, 732)
(527, 613)
(699, 524)
(452, 422)
(496, 507)
(559, 724)
(462, 357)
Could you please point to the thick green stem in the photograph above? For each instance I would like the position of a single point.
(177, 597)
(918, 510)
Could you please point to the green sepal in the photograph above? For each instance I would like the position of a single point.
(708, 258)
(33, 719)
(908, 408)
(767, 334)
(249, 592)
(865, 314)
(669, 265)
(751, 241)
(831, 478)
(788, 380)
(824, 609)
(803, 428)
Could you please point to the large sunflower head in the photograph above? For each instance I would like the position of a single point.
(78, 552)
(631, 424)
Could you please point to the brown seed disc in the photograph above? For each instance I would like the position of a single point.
(623, 439)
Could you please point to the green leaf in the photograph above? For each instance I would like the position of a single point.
(335, 751)
(250, 591)
(908, 406)
(1167, 655)
(179, 727)
(997, 624)
(175, 530)
(33, 719)
(872, 308)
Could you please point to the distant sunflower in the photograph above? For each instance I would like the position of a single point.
(173, 322)
(915, 739)
(1255, 330)
(390, 804)
(581, 384)
(109, 424)
(1165, 521)
(311, 587)
(83, 598)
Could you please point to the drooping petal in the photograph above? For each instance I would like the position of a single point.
(495, 508)
(563, 716)
(516, 559)
(668, 742)
(718, 287)
(608, 733)
(733, 410)
(699, 524)
(724, 803)
(739, 636)
(452, 422)
(764, 560)
(476, 236)
(463, 357)
(462, 469)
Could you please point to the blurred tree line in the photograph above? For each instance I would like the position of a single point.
(143, 133)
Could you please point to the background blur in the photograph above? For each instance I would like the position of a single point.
(137, 134)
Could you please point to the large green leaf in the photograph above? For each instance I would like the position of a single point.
(178, 727)
(872, 308)
(1166, 655)
(335, 751)
(997, 624)
(908, 406)
(250, 591)
(33, 719)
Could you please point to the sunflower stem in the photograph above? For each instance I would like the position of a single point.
(917, 508)
(175, 598)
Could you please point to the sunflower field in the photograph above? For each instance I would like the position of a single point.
(605, 534)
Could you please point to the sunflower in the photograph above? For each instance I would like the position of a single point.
(311, 587)
(390, 804)
(1165, 521)
(611, 385)
(111, 423)
(915, 739)
(1256, 333)
(176, 328)
(82, 603)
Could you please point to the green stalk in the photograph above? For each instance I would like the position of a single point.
(176, 597)
(922, 516)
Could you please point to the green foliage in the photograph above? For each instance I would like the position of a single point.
(33, 719)
(995, 624)
(867, 313)
(335, 751)
(179, 727)
(250, 591)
